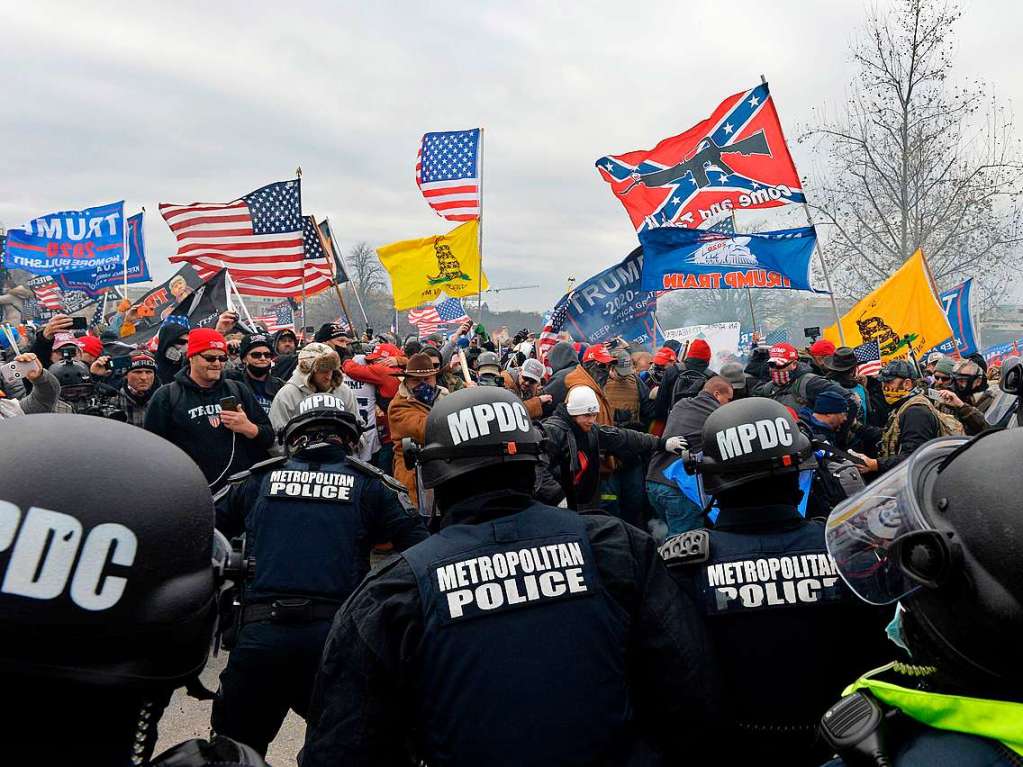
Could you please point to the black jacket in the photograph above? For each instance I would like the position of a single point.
(814, 385)
(686, 419)
(166, 369)
(665, 392)
(562, 359)
(189, 416)
(264, 391)
(690, 380)
(363, 707)
(565, 443)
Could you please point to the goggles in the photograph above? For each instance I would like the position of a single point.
(880, 539)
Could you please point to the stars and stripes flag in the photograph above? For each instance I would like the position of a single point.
(779, 336)
(549, 335)
(279, 316)
(317, 270)
(258, 238)
(868, 356)
(448, 173)
(736, 158)
(428, 319)
(48, 293)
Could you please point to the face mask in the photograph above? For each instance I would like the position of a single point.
(891, 396)
(174, 353)
(781, 377)
(257, 372)
(963, 386)
(425, 393)
(894, 629)
(598, 372)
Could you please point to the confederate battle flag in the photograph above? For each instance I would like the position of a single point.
(735, 159)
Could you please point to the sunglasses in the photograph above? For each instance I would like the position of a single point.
(214, 359)
(261, 355)
(942, 378)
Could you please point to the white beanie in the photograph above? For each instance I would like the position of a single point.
(582, 401)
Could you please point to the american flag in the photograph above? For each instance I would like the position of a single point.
(448, 175)
(48, 294)
(549, 334)
(258, 238)
(779, 336)
(868, 356)
(316, 268)
(428, 318)
(328, 241)
(278, 317)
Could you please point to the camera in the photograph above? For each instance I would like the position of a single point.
(68, 352)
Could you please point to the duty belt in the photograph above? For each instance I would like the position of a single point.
(291, 610)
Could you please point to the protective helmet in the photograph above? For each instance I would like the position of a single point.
(473, 428)
(1011, 381)
(488, 359)
(319, 416)
(582, 400)
(749, 440)
(105, 588)
(941, 534)
(899, 369)
(74, 378)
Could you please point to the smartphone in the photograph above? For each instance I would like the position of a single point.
(934, 394)
(15, 371)
(79, 323)
(228, 403)
(310, 330)
(119, 364)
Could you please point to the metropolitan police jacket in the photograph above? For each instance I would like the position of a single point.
(787, 631)
(519, 635)
(311, 520)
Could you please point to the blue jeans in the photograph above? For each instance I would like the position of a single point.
(674, 508)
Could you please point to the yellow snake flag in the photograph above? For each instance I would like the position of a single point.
(902, 305)
(423, 269)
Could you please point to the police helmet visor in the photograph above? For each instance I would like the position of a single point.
(866, 534)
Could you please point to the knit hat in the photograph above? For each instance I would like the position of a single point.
(665, 356)
(582, 401)
(822, 348)
(330, 331)
(698, 350)
(90, 345)
(830, 402)
(532, 369)
(254, 341)
(203, 339)
(142, 360)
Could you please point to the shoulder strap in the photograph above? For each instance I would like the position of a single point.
(690, 548)
(370, 470)
(174, 395)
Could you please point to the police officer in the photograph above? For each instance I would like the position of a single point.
(940, 536)
(108, 598)
(784, 626)
(519, 634)
(310, 519)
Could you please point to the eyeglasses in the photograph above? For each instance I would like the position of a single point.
(214, 359)
(938, 377)
(261, 355)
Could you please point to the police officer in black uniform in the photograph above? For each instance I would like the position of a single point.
(519, 634)
(310, 519)
(940, 535)
(786, 630)
(108, 596)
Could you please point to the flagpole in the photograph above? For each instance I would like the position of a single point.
(241, 302)
(749, 291)
(479, 293)
(124, 249)
(337, 252)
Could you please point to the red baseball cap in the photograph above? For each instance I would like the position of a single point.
(783, 353)
(383, 350)
(90, 345)
(822, 348)
(598, 353)
(664, 356)
(203, 339)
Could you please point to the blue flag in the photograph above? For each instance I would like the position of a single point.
(70, 241)
(95, 281)
(956, 303)
(611, 303)
(677, 258)
(692, 487)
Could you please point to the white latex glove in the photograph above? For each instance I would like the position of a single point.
(676, 445)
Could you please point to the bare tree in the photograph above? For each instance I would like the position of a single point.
(365, 271)
(918, 162)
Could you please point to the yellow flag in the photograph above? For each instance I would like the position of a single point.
(423, 269)
(904, 304)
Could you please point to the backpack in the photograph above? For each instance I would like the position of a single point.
(688, 384)
(948, 425)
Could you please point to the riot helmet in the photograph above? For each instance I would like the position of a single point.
(75, 381)
(471, 429)
(940, 533)
(750, 440)
(1011, 380)
(321, 418)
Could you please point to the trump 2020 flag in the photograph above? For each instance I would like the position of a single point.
(735, 159)
(95, 281)
(956, 303)
(675, 258)
(70, 241)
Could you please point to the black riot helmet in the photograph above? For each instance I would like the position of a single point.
(108, 588)
(320, 417)
(750, 440)
(75, 381)
(1011, 381)
(941, 534)
(471, 429)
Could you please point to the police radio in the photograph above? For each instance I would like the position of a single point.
(230, 566)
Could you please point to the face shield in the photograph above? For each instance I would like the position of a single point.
(878, 536)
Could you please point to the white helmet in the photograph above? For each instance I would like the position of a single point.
(582, 401)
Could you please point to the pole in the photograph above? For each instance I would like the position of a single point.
(827, 278)
(232, 287)
(749, 291)
(479, 293)
(124, 250)
(337, 252)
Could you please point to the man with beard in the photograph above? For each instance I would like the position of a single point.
(285, 347)
(256, 354)
(527, 384)
(138, 387)
(963, 390)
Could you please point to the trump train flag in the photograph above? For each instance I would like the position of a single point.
(735, 159)
(902, 306)
(422, 269)
(675, 258)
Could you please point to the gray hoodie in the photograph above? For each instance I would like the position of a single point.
(562, 359)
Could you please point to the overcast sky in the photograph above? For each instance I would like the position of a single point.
(207, 101)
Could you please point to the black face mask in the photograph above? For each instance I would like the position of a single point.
(598, 372)
(846, 378)
(257, 372)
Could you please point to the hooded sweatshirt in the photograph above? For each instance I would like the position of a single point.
(562, 359)
(188, 416)
(167, 369)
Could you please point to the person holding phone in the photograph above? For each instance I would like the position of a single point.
(217, 422)
(41, 399)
